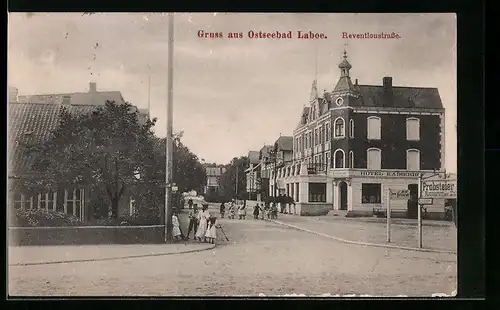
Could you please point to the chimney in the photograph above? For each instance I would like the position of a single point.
(356, 82)
(388, 95)
(92, 87)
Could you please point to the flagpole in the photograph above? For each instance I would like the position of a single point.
(169, 133)
(149, 92)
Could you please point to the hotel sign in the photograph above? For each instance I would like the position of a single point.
(379, 173)
(446, 189)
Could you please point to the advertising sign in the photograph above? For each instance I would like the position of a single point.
(401, 194)
(440, 189)
(425, 201)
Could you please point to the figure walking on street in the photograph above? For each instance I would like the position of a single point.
(222, 210)
(261, 211)
(190, 203)
(232, 212)
(193, 221)
(203, 217)
(242, 212)
(256, 212)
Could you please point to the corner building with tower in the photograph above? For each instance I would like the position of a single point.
(354, 143)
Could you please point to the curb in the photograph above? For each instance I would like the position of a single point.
(363, 243)
(112, 258)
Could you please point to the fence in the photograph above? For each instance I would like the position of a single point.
(81, 235)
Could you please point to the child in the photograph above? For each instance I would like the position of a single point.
(176, 232)
(261, 211)
(211, 234)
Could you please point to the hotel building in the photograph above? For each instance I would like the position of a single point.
(354, 143)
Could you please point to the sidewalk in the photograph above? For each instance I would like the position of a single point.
(436, 238)
(39, 255)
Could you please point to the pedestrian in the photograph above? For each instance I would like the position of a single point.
(193, 220)
(190, 203)
(222, 210)
(211, 234)
(203, 217)
(232, 212)
(282, 204)
(176, 231)
(274, 211)
(267, 209)
(261, 211)
(256, 212)
(291, 204)
(242, 212)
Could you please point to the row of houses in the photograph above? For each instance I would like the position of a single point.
(354, 143)
(31, 118)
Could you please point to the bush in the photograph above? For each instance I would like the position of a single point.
(44, 218)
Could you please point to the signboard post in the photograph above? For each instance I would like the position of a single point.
(428, 190)
(394, 195)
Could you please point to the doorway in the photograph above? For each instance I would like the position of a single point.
(343, 195)
(412, 204)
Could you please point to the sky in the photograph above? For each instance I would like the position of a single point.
(231, 96)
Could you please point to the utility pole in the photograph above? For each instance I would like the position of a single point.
(169, 133)
(236, 182)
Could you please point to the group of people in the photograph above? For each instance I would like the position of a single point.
(234, 208)
(202, 223)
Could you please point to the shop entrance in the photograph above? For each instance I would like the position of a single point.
(412, 211)
(343, 195)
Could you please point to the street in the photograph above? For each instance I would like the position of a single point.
(261, 258)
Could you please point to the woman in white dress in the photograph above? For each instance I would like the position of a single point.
(211, 234)
(203, 217)
(176, 231)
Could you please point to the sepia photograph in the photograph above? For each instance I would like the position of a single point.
(232, 154)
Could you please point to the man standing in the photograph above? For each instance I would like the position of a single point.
(190, 203)
(193, 221)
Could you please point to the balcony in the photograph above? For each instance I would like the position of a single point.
(317, 168)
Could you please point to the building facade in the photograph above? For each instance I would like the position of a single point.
(354, 143)
(31, 122)
(213, 176)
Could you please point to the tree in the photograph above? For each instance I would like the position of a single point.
(235, 172)
(103, 149)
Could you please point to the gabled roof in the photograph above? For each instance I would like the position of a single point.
(403, 97)
(265, 150)
(80, 98)
(253, 157)
(285, 143)
(32, 123)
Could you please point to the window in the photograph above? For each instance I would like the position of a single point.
(373, 159)
(339, 128)
(339, 159)
(413, 129)
(371, 193)
(20, 202)
(413, 160)
(351, 128)
(317, 192)
(351, 159)
(327, 132)
(373, 128)
(74, 202)
(328, 159)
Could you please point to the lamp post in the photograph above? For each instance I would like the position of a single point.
(169, 133)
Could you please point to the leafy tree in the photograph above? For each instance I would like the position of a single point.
(104, 149)
(235, 172)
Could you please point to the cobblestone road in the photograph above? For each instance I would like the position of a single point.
(261, 258)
